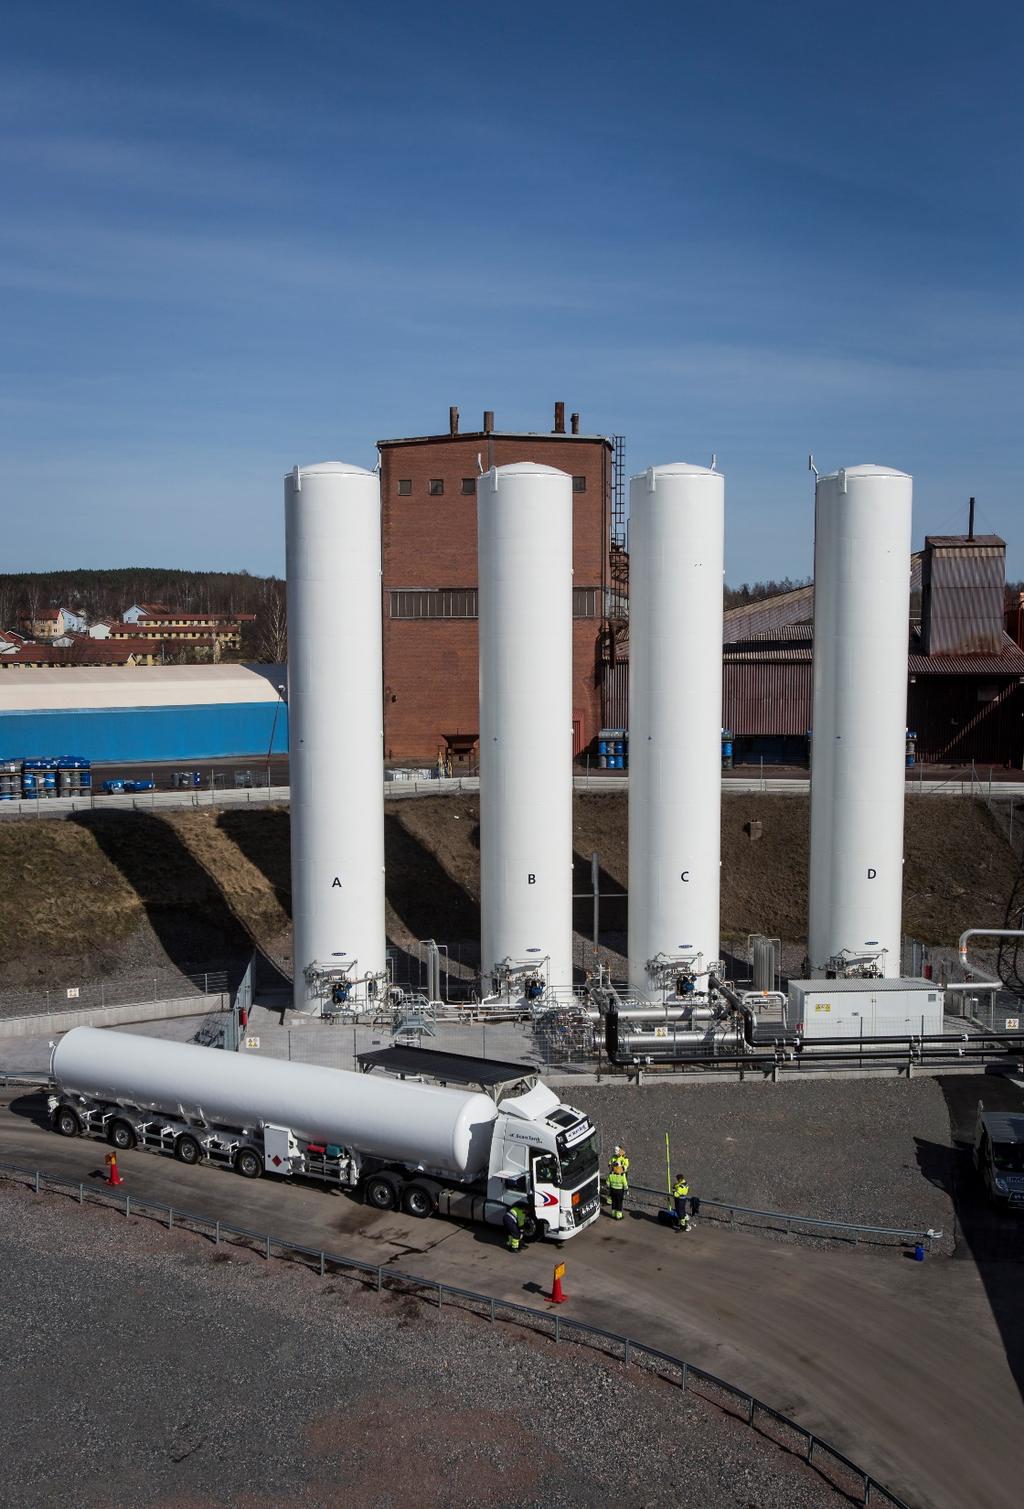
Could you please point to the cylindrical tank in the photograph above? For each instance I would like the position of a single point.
(525, 547)
(335, 718)
(445, 1131)
(676, 534)
(862, 538)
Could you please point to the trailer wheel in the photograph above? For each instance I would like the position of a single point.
(122, 1135)
(249, 1164)
(187, 1149)
(418, 1201)
(382, 1192)
(66, 1122)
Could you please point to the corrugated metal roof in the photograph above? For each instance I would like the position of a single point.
(1008, 662)
(955, 541)
(794, 654)
(69, 687)
(788, 609)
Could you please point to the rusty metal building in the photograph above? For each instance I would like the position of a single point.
(965, 693)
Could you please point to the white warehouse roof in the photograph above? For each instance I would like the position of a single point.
(102, 686)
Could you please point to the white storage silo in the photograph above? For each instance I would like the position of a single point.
(335, 717)
(524, 526)
(676, 538)
(862, 538)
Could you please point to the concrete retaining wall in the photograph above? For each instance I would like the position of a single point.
(110, 1016)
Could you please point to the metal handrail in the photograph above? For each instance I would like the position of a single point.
(904, 1234)
(872, 1490)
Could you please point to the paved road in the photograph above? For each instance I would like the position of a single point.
(903, 1365)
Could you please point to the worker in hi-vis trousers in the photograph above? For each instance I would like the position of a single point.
(617, 1186)
(681, 1203)
(515, 1220)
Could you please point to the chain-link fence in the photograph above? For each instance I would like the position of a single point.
(130, 990)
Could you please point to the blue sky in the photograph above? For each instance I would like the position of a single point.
(238, 234)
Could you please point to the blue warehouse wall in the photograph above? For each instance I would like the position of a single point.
(128, 734)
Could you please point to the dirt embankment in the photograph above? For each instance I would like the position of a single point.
(110, 892)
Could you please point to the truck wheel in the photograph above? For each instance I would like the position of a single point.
(66, 1122)
(418, 1201)
(122, 1135)
(249, 1164)
(382, 1193)
(187, 1149)
(533, 1230)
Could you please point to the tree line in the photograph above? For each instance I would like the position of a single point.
(108, 593)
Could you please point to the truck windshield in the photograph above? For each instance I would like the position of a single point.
(1008, 1157)
(579, 1162)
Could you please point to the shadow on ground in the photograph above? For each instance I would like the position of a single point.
(184, 904)
(992, 1239)
(423, 895)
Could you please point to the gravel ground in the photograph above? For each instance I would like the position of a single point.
(147, 1368)
(862, 1150)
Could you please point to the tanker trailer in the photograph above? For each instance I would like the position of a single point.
(398, 1142)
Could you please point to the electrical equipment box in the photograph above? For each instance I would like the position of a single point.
(864, 1008)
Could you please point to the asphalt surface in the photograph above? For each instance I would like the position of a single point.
(858, 1150)
(908, 1367)
(214, 1377)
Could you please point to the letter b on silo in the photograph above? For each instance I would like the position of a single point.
(531, 880)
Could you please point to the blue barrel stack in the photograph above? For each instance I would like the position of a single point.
(38, 779)
(613, 749)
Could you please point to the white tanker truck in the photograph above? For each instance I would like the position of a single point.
(401, 1143)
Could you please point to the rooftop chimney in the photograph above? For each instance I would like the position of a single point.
(574, 423)
(559, 419)
(970, 519)
(488, 421)
(453, 420)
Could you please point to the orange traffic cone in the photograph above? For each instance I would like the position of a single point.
(113, 1176)
(557, 1296)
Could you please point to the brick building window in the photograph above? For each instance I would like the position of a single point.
(586, 602)
(435, 487)
(433, 602)
(468, 486)
(463, 602)
(579, 484)
(405, 487)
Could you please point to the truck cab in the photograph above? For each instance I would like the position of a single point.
(999, 1156)
(545, 1156)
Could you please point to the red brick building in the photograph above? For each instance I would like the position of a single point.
(428, 491)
